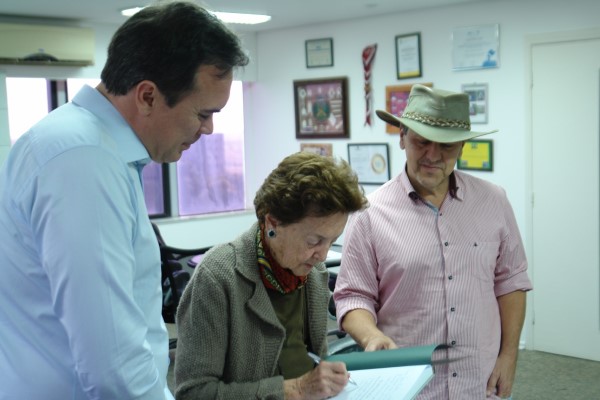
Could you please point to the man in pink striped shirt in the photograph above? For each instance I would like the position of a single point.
(437, 258)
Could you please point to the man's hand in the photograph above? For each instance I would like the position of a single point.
(380, 343)
(501, 381)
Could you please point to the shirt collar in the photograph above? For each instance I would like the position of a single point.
(128, 145)
(412, 193)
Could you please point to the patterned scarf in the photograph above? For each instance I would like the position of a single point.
(274, 276)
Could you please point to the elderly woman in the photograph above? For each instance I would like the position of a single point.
(257, 306)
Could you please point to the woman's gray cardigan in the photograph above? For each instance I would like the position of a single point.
(229, 336)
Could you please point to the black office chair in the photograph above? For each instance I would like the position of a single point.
(176, 265)
(339, 342)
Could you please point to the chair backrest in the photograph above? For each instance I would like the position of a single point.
(176, 271)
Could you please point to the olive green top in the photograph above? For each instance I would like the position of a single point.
(290, 309)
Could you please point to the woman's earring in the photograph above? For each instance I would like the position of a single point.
(271, 233)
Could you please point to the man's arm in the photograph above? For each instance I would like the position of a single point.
(85, 223)
(360, 324)
(512, 315)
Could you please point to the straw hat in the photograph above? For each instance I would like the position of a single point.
(437, 115)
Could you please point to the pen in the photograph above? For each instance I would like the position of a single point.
(317, 360)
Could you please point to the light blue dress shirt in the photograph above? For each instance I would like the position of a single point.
(80, 293)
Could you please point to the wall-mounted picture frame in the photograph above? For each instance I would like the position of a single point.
(476, 47)
(477, 155)
(370, 161)
(324, 149)
(321, 108)
(319, 53)
(478, 102)
(396, 98)
(408, 56)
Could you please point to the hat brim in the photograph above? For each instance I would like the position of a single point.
(433, 133)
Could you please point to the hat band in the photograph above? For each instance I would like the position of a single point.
(444, 123)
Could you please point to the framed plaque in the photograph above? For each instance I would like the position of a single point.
(477, 155)
(478, 102)
(321, 108)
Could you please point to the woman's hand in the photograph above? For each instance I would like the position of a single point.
(326, 380)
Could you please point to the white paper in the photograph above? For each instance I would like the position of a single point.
(395, 383)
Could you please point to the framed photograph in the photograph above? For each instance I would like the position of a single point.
(408, 56)
(477, 155)
(370, 161)
(319, 53)
(321, 107)
(324, 149)
(478, 102)
(396, 98)
(476, 47)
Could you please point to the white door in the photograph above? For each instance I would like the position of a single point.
(565, 184)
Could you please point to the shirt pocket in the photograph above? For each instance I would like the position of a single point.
(478, 259)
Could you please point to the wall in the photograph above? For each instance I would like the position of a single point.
(278, 58)
(272, 120)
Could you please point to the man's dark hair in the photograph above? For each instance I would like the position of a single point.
(166, 44)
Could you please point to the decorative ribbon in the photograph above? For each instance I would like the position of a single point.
(368, 56)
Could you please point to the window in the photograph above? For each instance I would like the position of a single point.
(210, 175)
(28, 99)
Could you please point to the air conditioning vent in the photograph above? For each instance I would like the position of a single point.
(46, 45)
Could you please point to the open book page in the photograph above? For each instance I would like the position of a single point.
(394, 383)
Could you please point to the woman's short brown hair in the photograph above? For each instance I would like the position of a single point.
(307, 184)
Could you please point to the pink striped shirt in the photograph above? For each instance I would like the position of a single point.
(432, 276)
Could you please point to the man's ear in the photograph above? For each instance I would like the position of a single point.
(403, 132)
(146, 94)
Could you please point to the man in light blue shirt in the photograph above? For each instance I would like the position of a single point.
(80, 288)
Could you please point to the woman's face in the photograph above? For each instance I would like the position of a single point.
(299, 246)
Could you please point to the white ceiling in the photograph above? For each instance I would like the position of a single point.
(285, 13)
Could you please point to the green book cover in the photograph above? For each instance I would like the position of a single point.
(404, 356)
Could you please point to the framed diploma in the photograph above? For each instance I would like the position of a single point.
(476, 47)
(370, 161)
(408, 56)
(319, 53)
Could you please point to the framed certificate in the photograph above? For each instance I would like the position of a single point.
(476, 47)
(370, 161)
(408, 56)
(319, 53)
